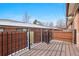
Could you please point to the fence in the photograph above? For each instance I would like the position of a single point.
(45, 36)
(37, 36)
(11, 42)
(63, 36)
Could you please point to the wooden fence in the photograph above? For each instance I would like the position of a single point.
(37, 36)
(45, 36)
(63, 36)
(11, 42)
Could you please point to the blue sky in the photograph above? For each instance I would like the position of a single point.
(45, 12)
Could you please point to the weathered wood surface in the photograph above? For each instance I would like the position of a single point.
(56, 48)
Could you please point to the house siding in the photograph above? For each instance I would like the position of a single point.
(76, 26)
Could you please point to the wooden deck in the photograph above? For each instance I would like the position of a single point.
(55, 48)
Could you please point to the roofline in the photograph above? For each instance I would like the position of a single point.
(25, 24)
(11, 20)
(27, 27)
(34, 25)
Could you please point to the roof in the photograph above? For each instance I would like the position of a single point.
(8, 22)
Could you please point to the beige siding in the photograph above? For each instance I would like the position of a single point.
(76, 26)
(70, 27)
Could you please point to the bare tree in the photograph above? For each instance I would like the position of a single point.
(61, 24)
(26, 18)
(51, 24)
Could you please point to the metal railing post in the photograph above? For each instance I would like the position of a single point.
(28, 38)
(41, 36)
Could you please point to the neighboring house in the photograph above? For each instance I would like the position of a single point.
(72, 15)
(15, 35)
(7, 25)
(12, 25)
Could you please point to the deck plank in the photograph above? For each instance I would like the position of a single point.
(56, 48)
(31, 50)
(63, 52)
(34, 50)
(46, 50)
(72, 53)
(59, 50)
(67, 50)
(53, 49)
(39, 50)
(43, 50)
(76, 51)
(50, 52)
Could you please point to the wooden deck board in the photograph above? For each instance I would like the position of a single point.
(67, 50)
(42, 51)
(39, 50)
(45, 51)
(34, 51)
(76, 51)
(30, 51)
(71, 50)
(53, 49)
(59, 50)
(63, 52)
(56, 49)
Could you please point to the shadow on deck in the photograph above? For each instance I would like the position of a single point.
(55, 48)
